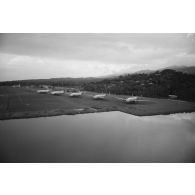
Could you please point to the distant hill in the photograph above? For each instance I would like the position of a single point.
(159, 84)
(68, 81)
(144, 71)
(53, 81)
(184, 69)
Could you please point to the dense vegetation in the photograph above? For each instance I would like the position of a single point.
(157, 84)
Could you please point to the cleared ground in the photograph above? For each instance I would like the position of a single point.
(26, 103)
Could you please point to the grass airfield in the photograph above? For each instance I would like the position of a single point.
(27, 103)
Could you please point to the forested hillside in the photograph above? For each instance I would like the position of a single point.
(157, 84)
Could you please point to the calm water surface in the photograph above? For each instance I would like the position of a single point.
(99, 137)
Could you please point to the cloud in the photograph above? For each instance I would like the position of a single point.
(29, 67)
(49, 55)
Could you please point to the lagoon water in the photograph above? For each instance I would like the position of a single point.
(99, 137)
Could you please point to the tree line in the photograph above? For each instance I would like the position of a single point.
(157, 84)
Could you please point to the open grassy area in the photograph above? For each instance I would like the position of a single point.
(26, 103)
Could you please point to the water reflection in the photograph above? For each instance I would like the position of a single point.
(100, 137)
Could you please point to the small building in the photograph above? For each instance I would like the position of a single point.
(16, 86)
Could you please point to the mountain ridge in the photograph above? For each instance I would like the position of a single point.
(183, 69)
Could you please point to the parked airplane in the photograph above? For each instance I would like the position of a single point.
(172, 96)
(43, 91)
(99, 96)
(76, 94)
(132, 99)
(60, 92)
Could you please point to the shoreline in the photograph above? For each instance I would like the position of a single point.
(51, 113)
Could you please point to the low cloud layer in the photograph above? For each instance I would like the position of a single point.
(24, 56)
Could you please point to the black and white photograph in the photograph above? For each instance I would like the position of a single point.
(97, 97)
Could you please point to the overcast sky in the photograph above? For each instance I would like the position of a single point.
(27, 56)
